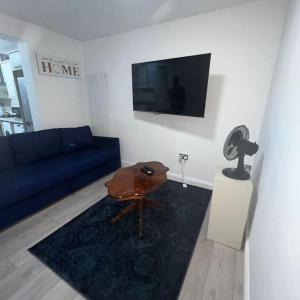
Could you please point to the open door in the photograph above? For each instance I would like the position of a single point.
(24, 102)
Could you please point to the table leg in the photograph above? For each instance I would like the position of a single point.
(124, 212)
(141, 220)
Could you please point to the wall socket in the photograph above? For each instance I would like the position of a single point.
(183, 156)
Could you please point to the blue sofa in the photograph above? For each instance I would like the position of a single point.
(40, 167)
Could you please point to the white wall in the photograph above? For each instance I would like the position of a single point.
(55, 101)
(7, 46)
(275, 237)
(243, 40)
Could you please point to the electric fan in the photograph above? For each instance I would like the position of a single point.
(237, 145)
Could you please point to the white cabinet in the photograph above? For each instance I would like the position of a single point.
(229, 210)
(19, 128)
(15, 60)
(11, 128)
(10, 83)
(7, 128)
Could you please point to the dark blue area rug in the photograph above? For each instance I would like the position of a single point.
(104, 261)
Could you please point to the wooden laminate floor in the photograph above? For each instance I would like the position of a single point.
(215, 271)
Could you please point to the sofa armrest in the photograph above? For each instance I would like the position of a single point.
(108, 143)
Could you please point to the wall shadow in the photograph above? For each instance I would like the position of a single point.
(204, 127)
(256, 180)
(255, 176)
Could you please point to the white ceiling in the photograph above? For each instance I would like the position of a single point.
(91, 19)
(6, 46)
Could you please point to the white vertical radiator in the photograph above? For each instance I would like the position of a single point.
(97, 85)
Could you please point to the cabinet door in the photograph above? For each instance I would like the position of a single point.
(6, 128)
(15, 60)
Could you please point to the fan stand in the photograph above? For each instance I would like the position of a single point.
(238, 173)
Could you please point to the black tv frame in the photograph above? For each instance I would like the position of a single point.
(202, 115)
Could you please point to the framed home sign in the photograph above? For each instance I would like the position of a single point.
(56, 66)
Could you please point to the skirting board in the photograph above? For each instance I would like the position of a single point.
(177, 177)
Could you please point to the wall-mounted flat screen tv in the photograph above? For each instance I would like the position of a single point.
(176, 86)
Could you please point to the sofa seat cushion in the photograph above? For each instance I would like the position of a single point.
(6, 157)
(31, 147)
(25, 181)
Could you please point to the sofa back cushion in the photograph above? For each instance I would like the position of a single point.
(6, 157)
(34, 146)
(74, 139)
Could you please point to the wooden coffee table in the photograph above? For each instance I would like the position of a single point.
(131, 184)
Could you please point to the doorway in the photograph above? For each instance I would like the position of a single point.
(15, 112)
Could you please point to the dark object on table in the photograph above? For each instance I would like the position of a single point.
(237, 145)
(130, 184)
(147, 170)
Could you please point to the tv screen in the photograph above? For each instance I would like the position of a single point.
(174, 86)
